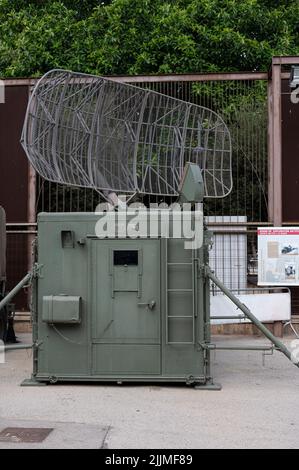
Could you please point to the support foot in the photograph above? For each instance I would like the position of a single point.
(208, 386)
(32, 382)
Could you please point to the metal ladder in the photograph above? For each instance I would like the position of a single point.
(174, 291)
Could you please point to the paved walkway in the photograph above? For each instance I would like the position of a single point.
(257, 407)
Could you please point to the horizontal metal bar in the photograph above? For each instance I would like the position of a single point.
(21, 224)
(190, 77)
(24, 232)
(179, 290)
(20, 81)
(232, 317)
(180, 342)
(179, 264)
(260, 289)
(237, 348)
(240, 224)
(234, 232)
(179, 316)
(15, 347)
(285, 60)
(125, 378)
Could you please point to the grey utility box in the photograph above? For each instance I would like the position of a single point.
(119, 309)
(61, 309)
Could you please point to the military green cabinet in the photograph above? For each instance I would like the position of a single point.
(118, 309)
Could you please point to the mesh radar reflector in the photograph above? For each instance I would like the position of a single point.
(93, 132)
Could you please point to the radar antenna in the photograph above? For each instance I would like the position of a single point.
(94, 132)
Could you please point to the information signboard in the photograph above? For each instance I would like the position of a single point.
(278, 256)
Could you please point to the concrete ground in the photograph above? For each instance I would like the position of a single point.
(258, 407)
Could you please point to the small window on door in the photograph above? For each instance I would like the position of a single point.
(125, 257)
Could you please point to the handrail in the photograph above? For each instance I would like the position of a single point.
(15, 290)
(277, 343)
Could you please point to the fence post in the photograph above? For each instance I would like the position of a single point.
(276, 148)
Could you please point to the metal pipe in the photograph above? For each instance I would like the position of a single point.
(234, 232)
(238, 348)
(28, 232)
(15, 290)
(239, 224)
(27, 224)
(277, 343)
(12, 347)
(231, 317)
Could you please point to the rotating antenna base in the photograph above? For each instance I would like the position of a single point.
(191, 188)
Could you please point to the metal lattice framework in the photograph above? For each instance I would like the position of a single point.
(89, 131)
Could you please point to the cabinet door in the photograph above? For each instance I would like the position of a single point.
(126, 305)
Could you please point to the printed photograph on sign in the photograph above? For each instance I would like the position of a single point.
(290, 271)
(289, 250)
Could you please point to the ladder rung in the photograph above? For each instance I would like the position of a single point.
(179, 290)
(180, 342)
(179, 264)
(180, 316)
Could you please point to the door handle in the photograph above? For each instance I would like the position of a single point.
(150, 305)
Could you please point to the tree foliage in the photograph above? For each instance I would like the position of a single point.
(145, 36)
(165, 36)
